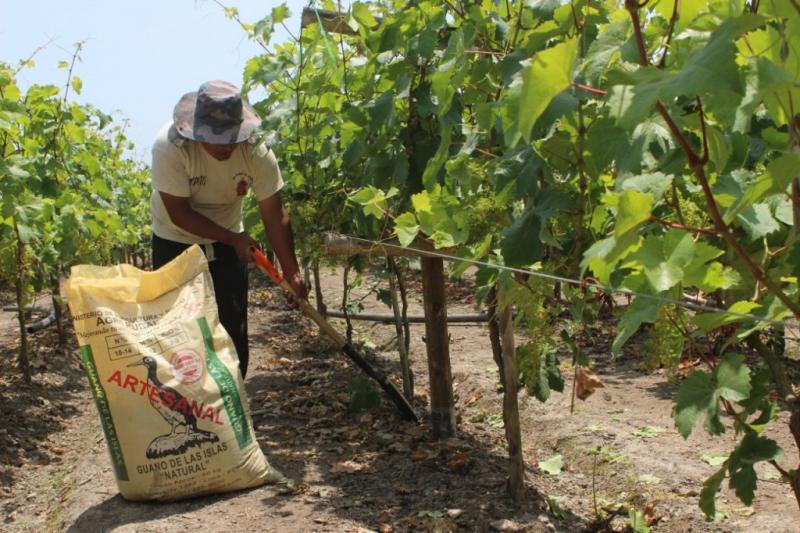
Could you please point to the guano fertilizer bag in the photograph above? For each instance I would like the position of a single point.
(166, 380)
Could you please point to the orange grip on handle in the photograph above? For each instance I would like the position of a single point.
(265, 265)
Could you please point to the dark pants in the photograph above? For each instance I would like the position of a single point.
(230, 286)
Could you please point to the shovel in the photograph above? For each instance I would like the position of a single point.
(397, 398)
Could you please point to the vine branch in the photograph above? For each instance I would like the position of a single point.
(704, 158)
(697, 164)
(668, 41)
(675, 225)
(588, 89)
(633, 8)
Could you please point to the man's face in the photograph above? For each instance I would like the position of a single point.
(220, 152)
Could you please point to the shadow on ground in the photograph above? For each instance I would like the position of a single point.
(32, 413)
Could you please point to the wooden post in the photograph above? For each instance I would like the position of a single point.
(494, 332)
(516, 470)
(400, 328)
(437, 340)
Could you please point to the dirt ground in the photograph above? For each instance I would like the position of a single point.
(372, 471)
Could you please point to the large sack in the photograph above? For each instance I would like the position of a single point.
(166, 380)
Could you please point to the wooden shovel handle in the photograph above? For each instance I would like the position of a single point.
(395, 395)
(269, 269)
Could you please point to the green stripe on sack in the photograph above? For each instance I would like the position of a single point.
(106, 420)
(227, 388)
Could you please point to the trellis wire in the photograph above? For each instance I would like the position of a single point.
(581, 283)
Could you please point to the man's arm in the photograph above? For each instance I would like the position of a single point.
(279, 233)
(182, 215)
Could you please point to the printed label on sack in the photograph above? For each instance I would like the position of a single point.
(170, 405)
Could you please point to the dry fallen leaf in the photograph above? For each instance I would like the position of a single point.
(459, 461)
(507, 526)
(586, 383)
(473, 398)
(652, 515)
(385, 519)
(418, 455)
(350, 467)
(404, 489)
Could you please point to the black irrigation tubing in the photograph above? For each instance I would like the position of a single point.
(577, 282)
(42, 323)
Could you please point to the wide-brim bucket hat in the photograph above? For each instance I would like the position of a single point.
(215, 114)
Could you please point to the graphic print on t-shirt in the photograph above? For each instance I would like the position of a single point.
(198, 181)
(243, 183)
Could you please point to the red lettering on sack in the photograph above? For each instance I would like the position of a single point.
(116, 377)
(198, 409)
(131, 382)
(182, 406)
(166, 397)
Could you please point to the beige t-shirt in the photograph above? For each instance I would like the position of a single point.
(215, 188)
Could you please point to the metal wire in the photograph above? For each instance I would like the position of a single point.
(581, 283)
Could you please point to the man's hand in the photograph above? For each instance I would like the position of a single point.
(242, 243)
(298, 285)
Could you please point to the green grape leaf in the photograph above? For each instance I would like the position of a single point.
(607, 142)
(719, 149)
(654, 184)
(710, 321)
(640, 311)
(604, 49)
(792, 259)
(520, 244)
(700, 393)
(26, 233)
(695, 397)
(665, 257)
(355, 151)
(708, 495)
(280, 13)
(430, 176)
(711, 276)
(732, 377)
(633, 208)
(549, 73)
(710, 69)
(705, 274)
(515, 174)
(775, 180)
(406, 228)
(752, 449)
(380, 110)
(373, 200)
(450, 73)
(363, 15)
(441, 216)
(12, 171)
(757, 221)
(603, 255)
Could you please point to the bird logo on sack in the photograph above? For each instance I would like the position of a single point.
(243, 183)
(178, 411)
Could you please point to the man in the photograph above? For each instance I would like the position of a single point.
(203, 165)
